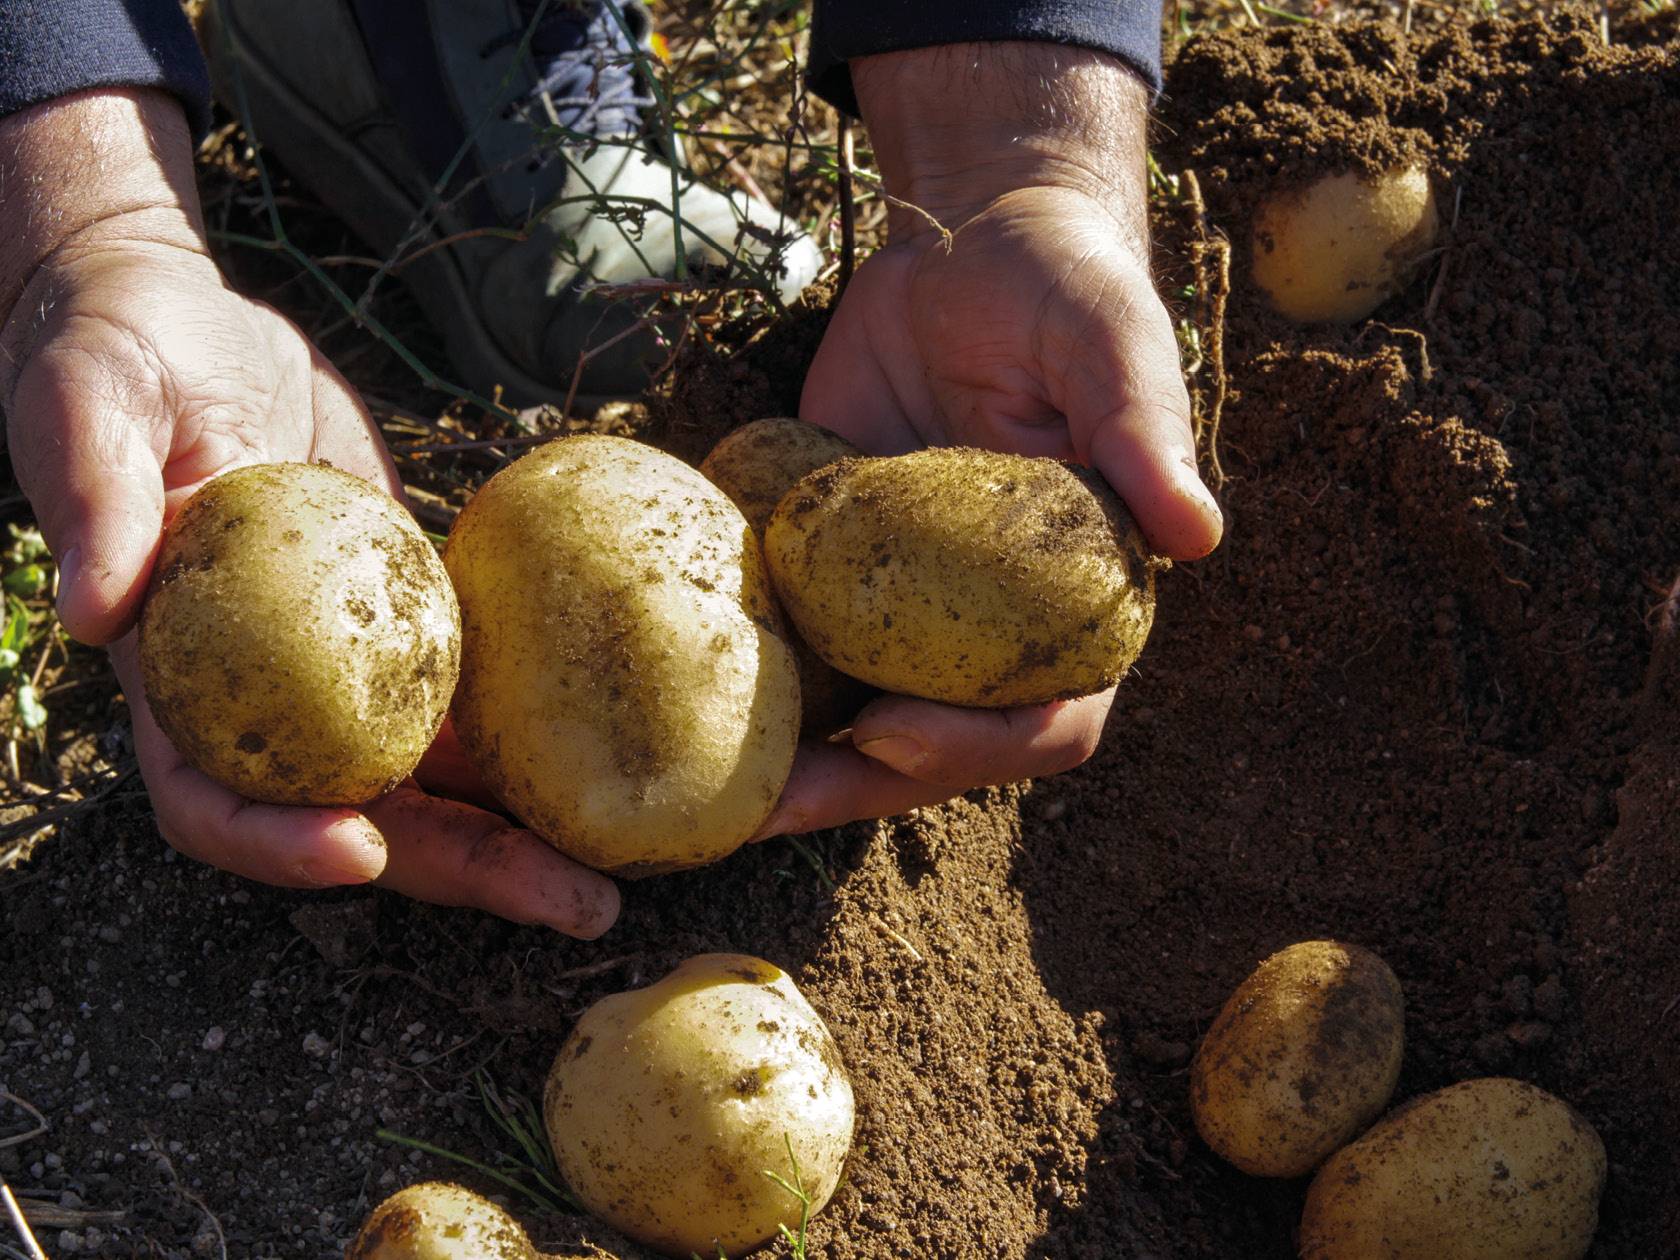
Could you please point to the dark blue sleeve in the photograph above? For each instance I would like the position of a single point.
(843, 29)
(52, 47)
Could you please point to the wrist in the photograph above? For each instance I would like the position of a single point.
(958, 126)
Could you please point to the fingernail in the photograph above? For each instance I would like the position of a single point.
(898, 751)
(358, 856)
(595, 912)
(780, 823)
(1191, 486)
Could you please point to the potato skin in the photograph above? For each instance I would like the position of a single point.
(1303, 1056)
(964, 576)
(439, 1220)
(624, 688)
(756, 465)
(666, 1104)
(300, 640)
(1488, 1169)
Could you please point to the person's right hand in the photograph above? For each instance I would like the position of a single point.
(130, 375)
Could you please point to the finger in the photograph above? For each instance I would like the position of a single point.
(345, 434)
(1137, 453)
(446, 770)
(452, 854)
(832, 784)
(960, 749)
(96, 484)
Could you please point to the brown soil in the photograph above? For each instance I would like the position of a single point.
(1410, 702)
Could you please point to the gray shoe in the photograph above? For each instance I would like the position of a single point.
(530, 126)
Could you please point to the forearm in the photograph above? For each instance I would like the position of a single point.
(957, 126)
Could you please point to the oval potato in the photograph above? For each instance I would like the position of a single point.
(1488, 1169)
(300, 639)
(1337, 249)
(624, 689)
(438, 1220)
(756, 465)
(666, 1105)
(1302, 1057)
(964, 576)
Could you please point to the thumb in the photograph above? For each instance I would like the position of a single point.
(97, 489)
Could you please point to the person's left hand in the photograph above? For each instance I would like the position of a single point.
(1034, 328)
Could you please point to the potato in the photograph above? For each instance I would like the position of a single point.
(964, 576)
(438, 1220)
(756, 465)
(1303, 1056)
(300, 640)
(624, 689)
(1489, 1169)
(1337, 249)
(666, 1106)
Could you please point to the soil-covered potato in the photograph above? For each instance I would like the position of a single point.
(964, 576)
(1336, 249)
(1303, 1056)
(438, 1220)
(1489, 1169)
(666, 1105)
(624, 686)
(300, 640)
(756, 465)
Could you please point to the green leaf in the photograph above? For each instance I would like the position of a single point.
(27, 581)
(15, 637)
(27, 544)
(30, 709)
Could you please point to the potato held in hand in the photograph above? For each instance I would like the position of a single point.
(964, 576)
(300, 640)
(438, 1220)
(623, 689)
(1303, 1056)
(1490, 1169)
(667, 1105)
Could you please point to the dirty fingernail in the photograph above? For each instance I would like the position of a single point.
(898, 751)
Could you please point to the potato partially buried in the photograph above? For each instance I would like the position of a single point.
(1488, 1169)
(439, 1220)
(668, 1106)
(624, 688)
(964, 576)
(1305, 1053)
(300, 639)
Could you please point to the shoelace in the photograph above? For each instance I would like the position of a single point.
(587, 79)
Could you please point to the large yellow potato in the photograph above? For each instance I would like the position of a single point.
(438, 1220)
(1303, 1056)
(624, 689)
(756, 465)
(964, 576)
(667, 1105)
(1335, 250)
(1490, 1169)
(300, 639)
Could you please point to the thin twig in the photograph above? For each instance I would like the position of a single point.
(18, 1139)
(19, 1224)
(848, 205)
(1213, 290)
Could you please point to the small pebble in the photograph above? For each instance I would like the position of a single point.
(215, 1039)
(180, 1091)
(316, 1046)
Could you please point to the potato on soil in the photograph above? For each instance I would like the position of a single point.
(1303, 1056)
(300, 640)
(624, 687)
(964, 576)
(438, 1220)
(756, 465)
(1488, 1169)
(666, 1106)
(1335, 250)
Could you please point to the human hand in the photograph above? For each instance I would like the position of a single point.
(130, 374)
(1012, 309)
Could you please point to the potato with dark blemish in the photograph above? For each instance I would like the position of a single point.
(625, 689)
(300, 639)
(964, 576)
(1303, 1056)
(666, 1105)
(1488, 1169)
(438, 1220)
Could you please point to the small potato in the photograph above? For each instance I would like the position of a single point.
(438, 1220)
(300, 640)
(667, 1105)
(1489, 1169)
(1303, 1056)
(624, 687)
(756, 465)
(964, 576)
(1336, 250)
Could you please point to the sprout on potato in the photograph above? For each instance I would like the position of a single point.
(438, 1220)
(300, 640)
(1336, 249)
(1302, 1057)
(667, 1107)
